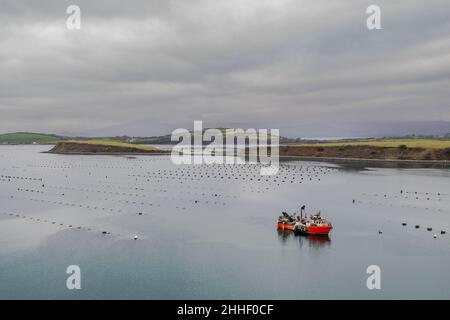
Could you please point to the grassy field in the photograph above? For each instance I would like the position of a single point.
(386, 143)
(28, 138)
(112, 143)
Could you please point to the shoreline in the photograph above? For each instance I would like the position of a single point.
(110, 153)
(446, 162)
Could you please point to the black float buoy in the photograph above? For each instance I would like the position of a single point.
(403, 224)
(429, 229)
(442, 231)
(417, 226)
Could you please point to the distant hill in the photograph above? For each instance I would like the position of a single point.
(166, 139)
(40, 138)
(29, 138)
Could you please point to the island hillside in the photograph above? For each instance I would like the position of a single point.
(29, 138)
(382, 149)
(102, 147)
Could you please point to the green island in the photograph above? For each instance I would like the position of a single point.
(417, 149)
(102, 147)
(29, 138)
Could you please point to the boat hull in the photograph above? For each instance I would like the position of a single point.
(315, 230)
(285, 226)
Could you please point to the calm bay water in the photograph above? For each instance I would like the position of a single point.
(208, 232)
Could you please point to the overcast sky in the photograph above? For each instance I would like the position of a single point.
(308, 67)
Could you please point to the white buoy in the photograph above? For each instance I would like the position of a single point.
(135, 237)
(435, 236)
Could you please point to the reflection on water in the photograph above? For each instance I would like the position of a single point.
(315, 241)
(312, 241)
(350, 164)
(284, 235)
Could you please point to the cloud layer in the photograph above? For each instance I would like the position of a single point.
(308, 67)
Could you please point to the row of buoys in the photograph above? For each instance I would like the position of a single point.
(151, 190)
(398, 205)
(428, 228)
(69, 226)
(424, 193)
(68, 204)
(147, 194)
(20, 178)
(402, 197)
(60, 167)
(30, 190)
(225, 178)
(217, 173)
(51, 222)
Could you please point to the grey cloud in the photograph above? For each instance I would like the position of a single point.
(147, 67)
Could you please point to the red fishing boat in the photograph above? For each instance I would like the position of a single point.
(314, 225)
(286, 222)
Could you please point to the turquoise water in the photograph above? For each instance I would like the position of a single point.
(208, 232)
